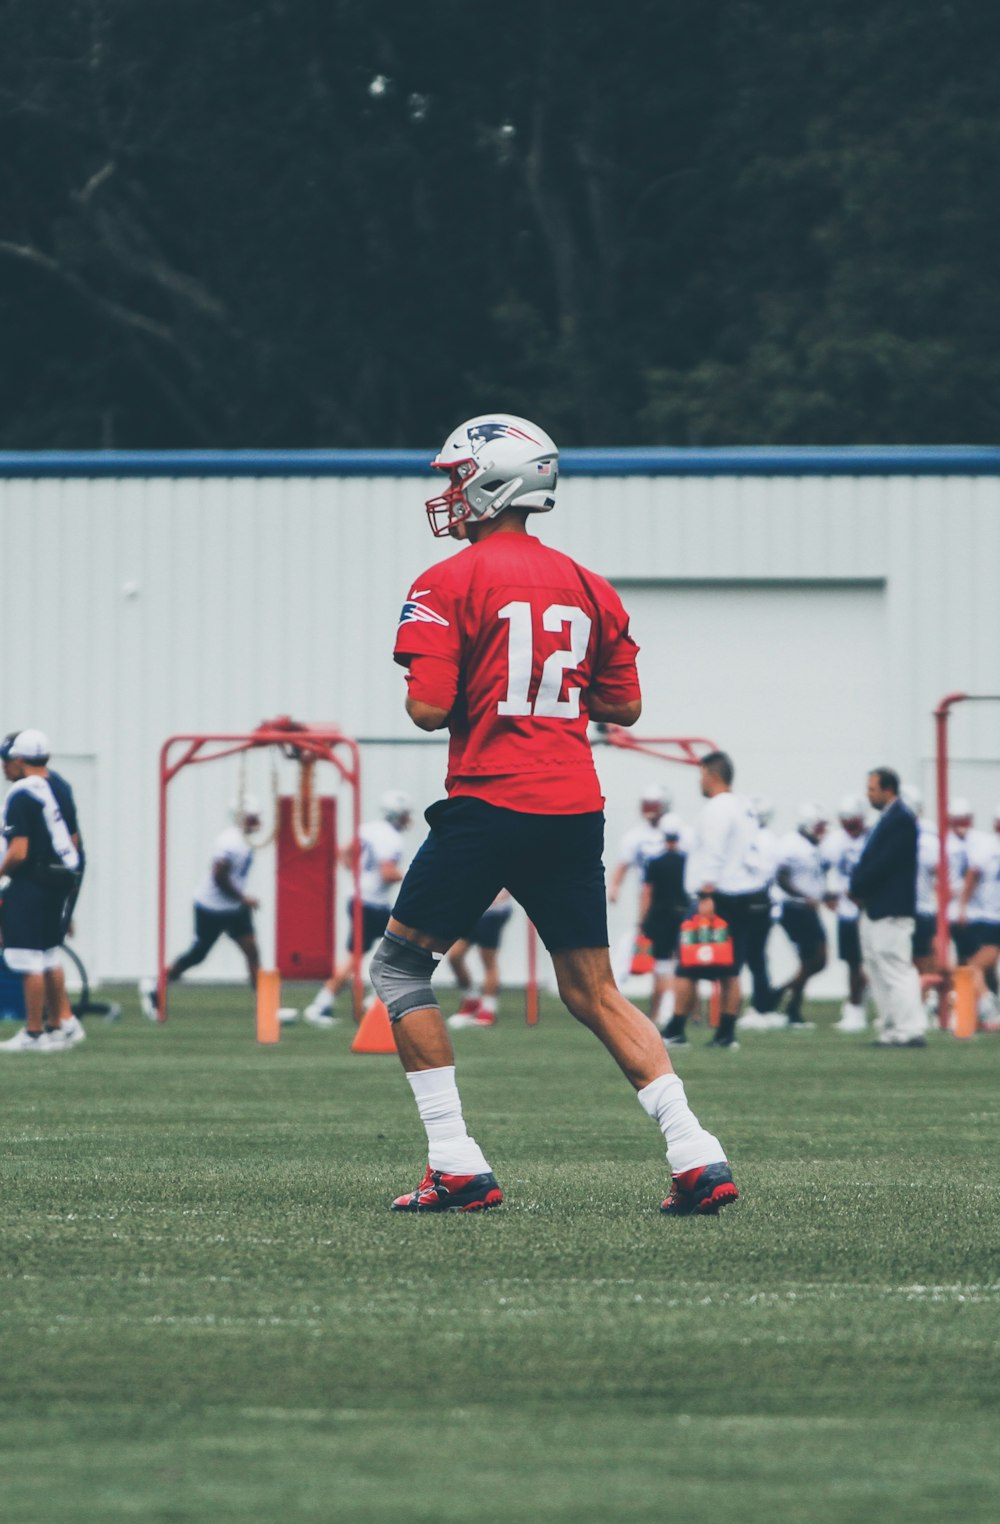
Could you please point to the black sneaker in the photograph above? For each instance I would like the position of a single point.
(673, 1033)
(439, 1192)
(729, 1042)
(702, 1192)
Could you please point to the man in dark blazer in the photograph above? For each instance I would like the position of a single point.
(884, 884)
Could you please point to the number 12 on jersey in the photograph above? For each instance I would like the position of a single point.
(520, 660)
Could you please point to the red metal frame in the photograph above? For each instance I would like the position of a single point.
(942, 939)
(321, 743)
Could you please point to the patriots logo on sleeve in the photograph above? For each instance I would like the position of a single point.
(415, 612)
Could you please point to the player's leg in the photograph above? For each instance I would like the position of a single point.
(805, 930)
(490, 956)
(209, 925)
(560, 882)
(448, 885)
(468, 1010)
(703, 1182)
(852, 1014)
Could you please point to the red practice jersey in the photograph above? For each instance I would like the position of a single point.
(508, 635)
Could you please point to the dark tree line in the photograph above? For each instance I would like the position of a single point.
(351, 222)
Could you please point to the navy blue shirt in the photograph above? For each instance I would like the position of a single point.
(885, 876)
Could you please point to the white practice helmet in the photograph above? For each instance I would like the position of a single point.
(245, 808)
(851, 807)
(763, 808)
(655, 793)
(30, 746)
(672, 826)
(959, 808)
(396, 807)
(809, 816)
(493, 462)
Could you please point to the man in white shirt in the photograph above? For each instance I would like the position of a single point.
(222, 906)
(840, 853)
(764, 996)
(380, 845)
(724, 877)
(801, 880)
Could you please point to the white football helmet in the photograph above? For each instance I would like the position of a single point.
(763, 808)
(396, 808)
(246, 807)
(809, 818)
(493, 462)
(851, 807)
(959, 809)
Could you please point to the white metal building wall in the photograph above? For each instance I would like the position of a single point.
(844, 606)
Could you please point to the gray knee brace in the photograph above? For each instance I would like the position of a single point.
(401, 975)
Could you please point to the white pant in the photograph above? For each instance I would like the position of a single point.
(887, 955)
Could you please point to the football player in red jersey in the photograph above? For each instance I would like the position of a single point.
(515, 648)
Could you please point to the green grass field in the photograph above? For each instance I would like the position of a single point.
(209, 1314)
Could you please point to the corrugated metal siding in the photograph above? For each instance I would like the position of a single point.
(138, 607)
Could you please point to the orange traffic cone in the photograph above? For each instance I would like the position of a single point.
(374, 1035)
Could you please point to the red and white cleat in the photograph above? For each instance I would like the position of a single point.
(439, 1192)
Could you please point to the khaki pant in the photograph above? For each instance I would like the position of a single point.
(887, 955)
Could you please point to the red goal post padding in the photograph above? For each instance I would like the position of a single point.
(304, 743)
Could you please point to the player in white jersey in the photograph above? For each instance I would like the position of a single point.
(801, 881)
(40, 862)
(960, 841)
(222, 906)
(840, 852)
(380, 845)
(641, 842)
(925, 923)
(979, 910)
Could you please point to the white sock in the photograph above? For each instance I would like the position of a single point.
(689, 1146)
(324, 1001)
(449, 1147)
(488, 1004)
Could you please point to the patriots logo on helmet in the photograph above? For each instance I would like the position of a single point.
(415, 612)
(480, 433)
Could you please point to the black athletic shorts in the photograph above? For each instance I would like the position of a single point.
(924, 932)
(489, 928)
(984, 934)
(374, 920)
(663, 929)
(33, 915)
(210, 925)
(963, 934)
(849, 941)
(551, 864)
(741, 913)
(803, 926)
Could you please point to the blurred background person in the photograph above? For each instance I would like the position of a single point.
(979, 913)
(925, 924)
(380, 846)
(663, 906)
(638, 845)
(959, 843)
(841, 850)
(480, 1010)
(764, 997)
(222, 906)
(884, 885)
(801, 880)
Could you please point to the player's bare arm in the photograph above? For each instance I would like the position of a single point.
(625, 713)
(426, 716)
